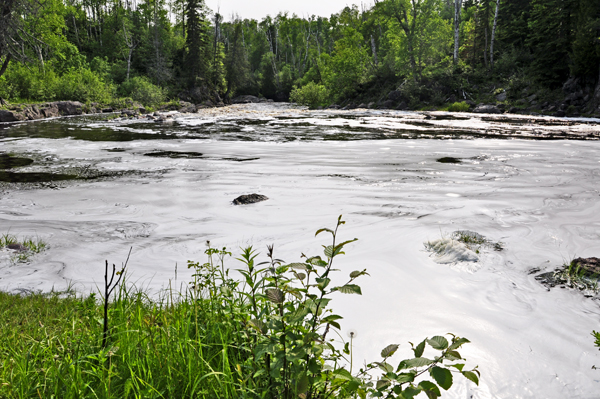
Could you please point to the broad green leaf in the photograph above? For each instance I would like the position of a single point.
(331, 318)
(409, 392)
(471, 376)
(322, 282)
(382, 384)
(352, 385)
(386, 367)
(389, 350)
(459, 366)
(457, 343)
(322, 230)
(430, 389)
(453, 355)
(442, 376)
(405, 377)
(328, 251)
(357, 273)
(438, 342)
(349, 289)
(258, 326)
(342, 374)
(302, 384)
(419, 349)
(342, 244)
(414, 363)
(275, 295)
(301, 276)
(298, 266)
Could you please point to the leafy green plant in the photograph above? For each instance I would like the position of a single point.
(143, 90)
(573, 275)
(474, 241)
(597, 336)
(285, 308)
(458, 107)
(312, 94)
(267, 335)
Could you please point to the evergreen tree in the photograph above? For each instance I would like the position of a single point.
(550, 38)
(197, 43)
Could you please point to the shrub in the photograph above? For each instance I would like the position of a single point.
(82, 85)
(597, 336)
(311, 94)
(141, 89)
(458, 107)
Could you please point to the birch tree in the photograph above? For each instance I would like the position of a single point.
(457, 10)
(494, 36)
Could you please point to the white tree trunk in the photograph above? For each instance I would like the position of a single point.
(457, 9)
(374, 49)
(494, 35)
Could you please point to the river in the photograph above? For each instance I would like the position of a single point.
(399, 179)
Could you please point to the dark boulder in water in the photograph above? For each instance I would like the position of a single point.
(17, 247)
(449, 160)
(249, 199)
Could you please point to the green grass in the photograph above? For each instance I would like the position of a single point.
(50, 347)
(263, 336)
(574, 276)
(32, 246)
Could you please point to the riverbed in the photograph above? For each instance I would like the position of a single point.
(399, 179)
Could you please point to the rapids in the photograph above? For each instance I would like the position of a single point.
(165, 189)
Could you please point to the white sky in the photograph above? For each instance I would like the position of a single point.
(258, 9)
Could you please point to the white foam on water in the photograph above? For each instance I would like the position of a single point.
(527, 341)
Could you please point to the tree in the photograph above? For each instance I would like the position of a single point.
(236, 63)
(457, 10)
(196, 42)
(550, 40)
(14, 38)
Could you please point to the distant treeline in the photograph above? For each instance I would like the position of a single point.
(154, 50)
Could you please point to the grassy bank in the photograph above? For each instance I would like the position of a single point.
(271, 334)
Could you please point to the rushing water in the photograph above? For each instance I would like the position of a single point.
(96, 187)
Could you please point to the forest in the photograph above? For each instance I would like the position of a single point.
(526, 55)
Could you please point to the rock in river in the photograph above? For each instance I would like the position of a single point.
(249, 199)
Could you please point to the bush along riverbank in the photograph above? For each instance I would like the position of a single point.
(269, 335)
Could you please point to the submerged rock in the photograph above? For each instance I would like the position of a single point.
(487, 109)
(249, 199)
(8, 161)
(17, 247)
(449, 160)
(590, 265)
(245, 99)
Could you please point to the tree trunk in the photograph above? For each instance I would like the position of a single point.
(457, 9)
(374, 50)
(494, 36)
(129, 62)
(5, 64)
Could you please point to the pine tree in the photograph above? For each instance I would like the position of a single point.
(196, 60)
(550, 40)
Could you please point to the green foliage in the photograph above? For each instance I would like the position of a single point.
(139, 88)
(597, 336)
(268, 335)
(311, 94)
(458, 107)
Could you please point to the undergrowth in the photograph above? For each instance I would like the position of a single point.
(271, 334)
